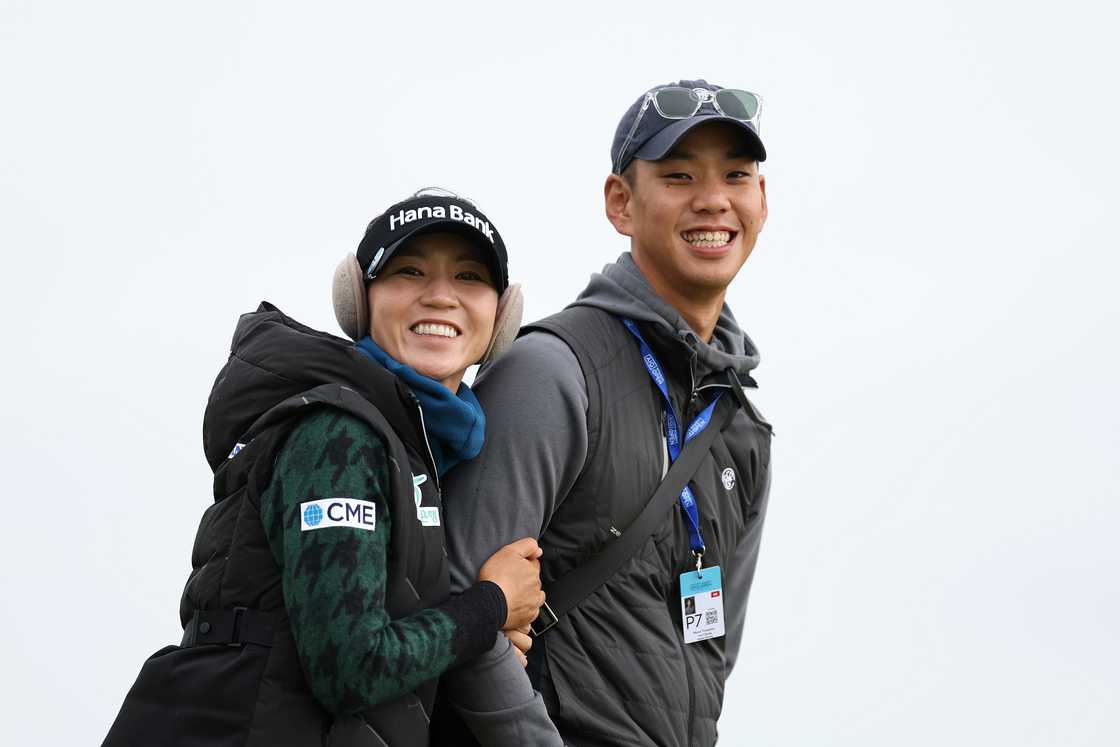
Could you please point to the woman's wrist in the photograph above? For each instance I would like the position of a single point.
(478, 613)
(497, 599)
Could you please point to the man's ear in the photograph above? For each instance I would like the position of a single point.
(765, 208)
(616, 201)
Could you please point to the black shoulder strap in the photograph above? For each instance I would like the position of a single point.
(572, 588)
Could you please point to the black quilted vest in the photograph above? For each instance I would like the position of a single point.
(616, 666)
(253, 693)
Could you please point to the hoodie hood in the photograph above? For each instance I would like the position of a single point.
(273, 357)
(623, 291)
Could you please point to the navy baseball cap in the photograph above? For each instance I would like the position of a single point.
(655, 135)
(432, 210)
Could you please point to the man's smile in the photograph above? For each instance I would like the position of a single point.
(708, 239)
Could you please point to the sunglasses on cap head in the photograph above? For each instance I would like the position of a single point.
(678, 102)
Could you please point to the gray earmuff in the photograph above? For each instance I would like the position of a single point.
(351, 308)
(507, 322)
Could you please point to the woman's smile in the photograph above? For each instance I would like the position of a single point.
(435, 329)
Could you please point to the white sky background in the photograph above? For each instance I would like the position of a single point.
(933, 298)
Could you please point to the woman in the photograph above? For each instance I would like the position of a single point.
(318, 610)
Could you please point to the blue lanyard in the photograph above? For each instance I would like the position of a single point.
(688, 501)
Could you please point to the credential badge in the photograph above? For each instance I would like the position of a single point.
(427, 515)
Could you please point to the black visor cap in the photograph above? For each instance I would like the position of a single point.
(426, 214)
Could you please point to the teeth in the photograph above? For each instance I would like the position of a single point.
(439, 330)
(707, 238)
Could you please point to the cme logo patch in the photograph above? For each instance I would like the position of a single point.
(338, 512)
(728, 477)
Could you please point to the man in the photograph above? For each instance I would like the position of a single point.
(587, 412)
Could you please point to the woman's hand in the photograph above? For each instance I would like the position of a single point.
(522, 642)
(516, 569)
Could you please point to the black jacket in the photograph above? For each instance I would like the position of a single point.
(208, 692)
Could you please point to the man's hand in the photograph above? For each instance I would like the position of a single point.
(516, 569)
(522, 642)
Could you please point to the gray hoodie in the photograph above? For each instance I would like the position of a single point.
(536, 401)
(622, 290)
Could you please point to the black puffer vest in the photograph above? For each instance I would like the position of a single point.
(617, 665)
(253, 693)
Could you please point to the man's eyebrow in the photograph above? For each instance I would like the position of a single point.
(679, 155)
(735, 154)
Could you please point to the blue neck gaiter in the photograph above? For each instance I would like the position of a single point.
(455, 423)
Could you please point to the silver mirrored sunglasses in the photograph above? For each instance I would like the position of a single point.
(678, 102)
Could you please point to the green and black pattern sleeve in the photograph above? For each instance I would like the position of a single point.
(353, 654)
